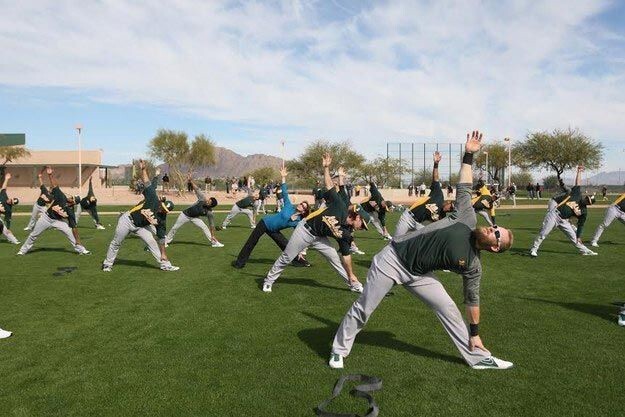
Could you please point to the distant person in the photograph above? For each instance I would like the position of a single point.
(190, 187)
(512, 193)
(410, 189)
(165, 184)
(228, 185)
(208, 184)
(450, 191)
(530, 191)
(422, 189)
(538, 191)
(604, 193)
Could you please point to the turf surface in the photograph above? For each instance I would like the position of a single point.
(205, 341)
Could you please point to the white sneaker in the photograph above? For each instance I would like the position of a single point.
(492, 363)
(217, 244)
(100, 227)
(267, 287)
(589, 253)
(253, 227)
(356, 287)
(17, 242)
(84, 251)
(27, 229)
(224, 227)
(621, 319)
(107, 268)
(5, 333)
(533, 253)
(594, 244)
(336, 361)
(20, 253)
(388, 237)
(169, 267)
(357, 251)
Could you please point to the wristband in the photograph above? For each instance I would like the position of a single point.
(474, 329)
(435, 165)
(467, 158)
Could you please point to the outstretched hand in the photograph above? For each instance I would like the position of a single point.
(49, 170)
(341, 172)
(437, 156)
(474, 142)
(580, 168)
(141, 164)
(327, 160)
(283, 172)
(7, 176)
(476, 342)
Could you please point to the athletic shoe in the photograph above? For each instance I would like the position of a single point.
(594, 244)
(100, 227)
(84, 252)
(533, 253)
(107, 268)
(27, 229)
(224, 227)
(621, 319)
(216, 244)
(388, 237)
(356, 287)
(20, 253)
(169, 267)
(589, 253)
(492, 363)
(17, 242)
(253, 227)
(5, 333)
(266, 287)
(357, 251)
(336, 361)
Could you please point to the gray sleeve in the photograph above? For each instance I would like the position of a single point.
(471, 283)
(464, 210)
(211, 219)
(199, 194)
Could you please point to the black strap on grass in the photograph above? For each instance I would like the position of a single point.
(369, 384)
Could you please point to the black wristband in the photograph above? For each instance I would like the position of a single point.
(467, 158)
(474, 329)
(435, 165)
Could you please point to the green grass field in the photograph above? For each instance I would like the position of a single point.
(205, 341)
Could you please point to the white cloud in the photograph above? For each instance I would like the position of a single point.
(507, 67)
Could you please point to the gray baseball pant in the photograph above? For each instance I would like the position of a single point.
(299, 241)
(486, 216)
(44, 223)
(611, 213)
(183, 219)
(37, 211)
(125, 226)
(8, 234)
(406, 223)
(238, 210)
(385, 272)
(553, 219)
(375, 221)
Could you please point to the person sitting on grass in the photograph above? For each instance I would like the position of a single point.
(289, 216)
(452, 243)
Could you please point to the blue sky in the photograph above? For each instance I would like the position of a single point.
(249, 74)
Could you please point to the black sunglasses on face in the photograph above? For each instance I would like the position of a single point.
(497, 236)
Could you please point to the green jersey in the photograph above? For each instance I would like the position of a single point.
(331, 221)
(429, 208)
(573, 204)
(59, 209)
(44, 197)
(446, 244)
(148, 213)
(200, 208)
(247, 202)
(5, 208)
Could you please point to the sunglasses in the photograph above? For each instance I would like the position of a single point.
(497, 236)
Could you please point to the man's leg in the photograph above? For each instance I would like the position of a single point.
(300, 240)
(77, 211)
(148, 238)
(432, 292)
(380, 280)
(199, 223)
(250, 244)
(34, 215)
(233, 212)
(323, 245)
(250, 215)
(376, 223)
(567, 229)
(93, 211)
(43, 224)
(484, 214)
(549, 222)
(610, 215)
(181, 220)
(124, 226)
(64, 228)
(405, 224)
(10, 236)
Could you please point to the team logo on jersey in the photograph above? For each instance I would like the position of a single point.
(149, 216)
(486, 203)
(462, 263)
(59, 210)
(44, 198)
(2, 209)
(333, 225)
(574, 207)
(433, 209)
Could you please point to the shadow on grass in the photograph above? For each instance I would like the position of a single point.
(526, 252)
(606, 312)
(319, 340)
(142, 264)
(35, 250)
(305, 282)
(186, 242)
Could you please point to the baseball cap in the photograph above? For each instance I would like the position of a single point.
(213, 202)
(76, 199)
(16, 200)
(168, 206)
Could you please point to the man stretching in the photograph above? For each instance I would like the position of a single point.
(452, 243)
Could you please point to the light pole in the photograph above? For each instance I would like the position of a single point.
(78, 128)
(509, 160)
(487, 174)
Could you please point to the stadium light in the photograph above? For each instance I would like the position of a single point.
(487, 175)
(78, 128)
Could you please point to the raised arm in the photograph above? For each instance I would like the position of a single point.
(437, 159)
(474, 141)
(578, 177)
(341, 173)
(5, 183)
(40, 177)
(326, 161)
(53, 182)
(144, 171)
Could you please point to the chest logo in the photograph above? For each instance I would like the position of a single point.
(433, 209)
(333, 225)
(462, 263)
(149, 216)
(59, 210)
(574, 207)
(44, 198)
(2, 209)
